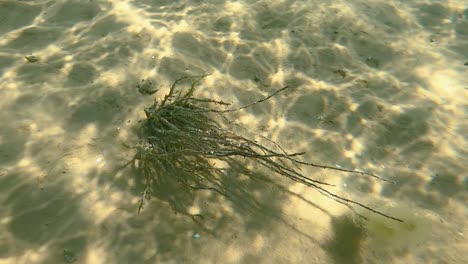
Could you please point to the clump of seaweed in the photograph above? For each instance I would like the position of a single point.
(182, 134)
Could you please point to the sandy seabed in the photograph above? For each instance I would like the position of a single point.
(379, 86)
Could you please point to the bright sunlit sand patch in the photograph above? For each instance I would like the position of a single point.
(37, 255)
(10, 36)
(278, 77)
(113, 78)
(97, 254)
(128, 13)
(248, 120)
(28, 164)
(320, 215)
(8, 76)
(87, 134)
(279, 123)
(233, 254)
(99, 209)
(350, 155)
(258, 243)
(353, 106)
(49, 51)
(194, 210)
(356, 148)
(236, 8)
(444, 85)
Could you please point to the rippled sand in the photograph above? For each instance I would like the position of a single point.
(379, 86)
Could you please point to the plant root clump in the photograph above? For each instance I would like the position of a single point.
(182, 135)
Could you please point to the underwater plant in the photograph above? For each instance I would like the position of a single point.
(182, 135)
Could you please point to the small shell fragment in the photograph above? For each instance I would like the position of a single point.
(31, 58)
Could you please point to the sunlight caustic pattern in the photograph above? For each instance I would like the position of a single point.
(376, 85)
